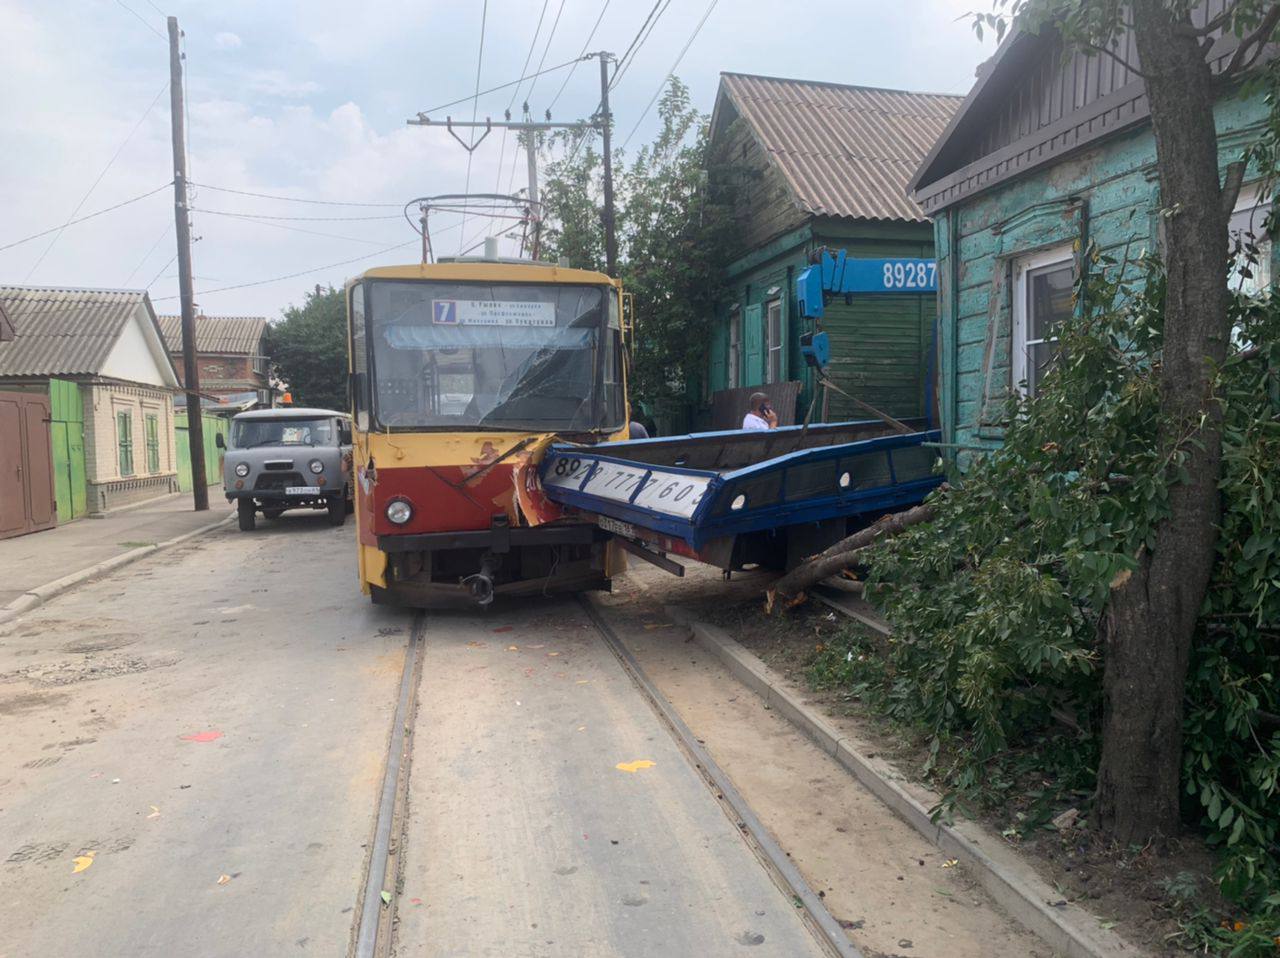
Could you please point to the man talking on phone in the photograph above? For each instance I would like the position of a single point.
(761, 414)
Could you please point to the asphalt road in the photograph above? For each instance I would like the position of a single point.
(192, 749)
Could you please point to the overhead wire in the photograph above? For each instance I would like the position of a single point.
(551, 35)
(146, 256)
(657, 93)
(303, 219)
(94, 185)
(305, 272)
(155, 279)
(299, 229)
(639, 40)
(293, 199)
(143, 21)
(73, 222)
(475, 102)
(582, 56)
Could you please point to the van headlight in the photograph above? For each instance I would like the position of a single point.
(242, 469)
(316, 466)
(399, 511)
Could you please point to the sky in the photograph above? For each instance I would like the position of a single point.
(308, 99)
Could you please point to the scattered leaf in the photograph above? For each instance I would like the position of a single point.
(155, 812)
(209, 736)
(223, 879)
(386, 898)
(951, 863)
(513, 648)
(81, 862)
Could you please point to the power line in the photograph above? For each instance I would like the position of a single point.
(495, 89)
(533, 45)
(551, 35)
(156, 9)
(155, 279)
(475, 100)
(89, 192)
(147, 256)
(304, 219)
(292, 199)
(143, 21)
(582, 56)
(639, 40)
(298, 229)
(55, 229)
(305, 272)
(657, 93)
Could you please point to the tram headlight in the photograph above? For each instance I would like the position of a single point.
(242, 469)
(399, 511)
(316, 466)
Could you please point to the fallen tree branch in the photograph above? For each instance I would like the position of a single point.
(789, 590)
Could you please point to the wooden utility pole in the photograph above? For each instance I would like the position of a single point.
(606, 124)
(190, 371)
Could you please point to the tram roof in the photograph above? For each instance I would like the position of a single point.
(490, 271)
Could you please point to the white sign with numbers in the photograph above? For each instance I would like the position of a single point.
(668, 492)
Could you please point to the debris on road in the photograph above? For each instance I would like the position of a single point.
(81, 862)
(635, 766)
(208, 736)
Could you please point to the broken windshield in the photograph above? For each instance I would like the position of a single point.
(494, 355)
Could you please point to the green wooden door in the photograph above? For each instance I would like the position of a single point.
(753, 346)
(184, 451)
(66, 433)
(879, 353)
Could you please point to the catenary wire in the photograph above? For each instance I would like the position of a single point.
(305, 219)
(155, 279)
(93, 186)
(495, 89)
(54, 229)
(637, 42)
(533, 45)
(670, 73)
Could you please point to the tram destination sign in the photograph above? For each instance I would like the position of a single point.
(486, 312)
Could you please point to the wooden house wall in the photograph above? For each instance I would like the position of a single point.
(1107, 194)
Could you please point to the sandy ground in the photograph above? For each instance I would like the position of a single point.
(893, 891)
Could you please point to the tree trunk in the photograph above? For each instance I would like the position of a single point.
(1151, 617)
(789, 590)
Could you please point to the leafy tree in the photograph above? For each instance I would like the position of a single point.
(1151, 613)
(308, 349)
(669, 234)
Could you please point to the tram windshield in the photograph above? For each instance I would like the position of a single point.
(494, 355)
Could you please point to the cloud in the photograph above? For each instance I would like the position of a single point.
(277, 83)
(227, 41)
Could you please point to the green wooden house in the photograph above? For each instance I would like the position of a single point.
(1047, 154)
(809, 165)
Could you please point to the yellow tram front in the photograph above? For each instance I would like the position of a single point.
(461, 374)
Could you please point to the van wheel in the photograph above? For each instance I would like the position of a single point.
(337, 511)
(246, 511)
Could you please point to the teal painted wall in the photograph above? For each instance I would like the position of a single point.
(1107, 194)
(880, 343)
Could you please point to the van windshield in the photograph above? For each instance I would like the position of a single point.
(494, 355)
(247, 433)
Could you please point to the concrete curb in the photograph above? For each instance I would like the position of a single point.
(42, 594)
(1069, 929)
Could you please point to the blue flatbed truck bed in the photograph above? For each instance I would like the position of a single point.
(738, 498)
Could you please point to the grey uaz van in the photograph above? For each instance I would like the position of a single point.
(288, 458)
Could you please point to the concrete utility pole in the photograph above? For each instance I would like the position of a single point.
(190, 371)
(606, 122)
(531, 157)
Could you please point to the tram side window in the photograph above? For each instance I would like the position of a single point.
(614, 399)
(359, 360)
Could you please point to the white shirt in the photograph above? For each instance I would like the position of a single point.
(752, 421)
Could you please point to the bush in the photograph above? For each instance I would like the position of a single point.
(997, 602)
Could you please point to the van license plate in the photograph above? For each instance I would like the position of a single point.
(302, 490)
(616, 527)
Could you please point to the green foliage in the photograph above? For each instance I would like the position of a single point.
(308, 349)
(998, 601)
(669, 234)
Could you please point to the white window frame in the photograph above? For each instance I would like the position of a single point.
(773, 350)
(735, 349)
(1023, 266)
(1251, 209)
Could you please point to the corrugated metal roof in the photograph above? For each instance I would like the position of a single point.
(217, 335)
(846, 151)
(63, 332)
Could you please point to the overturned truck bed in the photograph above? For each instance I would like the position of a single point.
(734, 499)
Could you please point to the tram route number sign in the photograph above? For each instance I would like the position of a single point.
(672, 493)
(484, 312)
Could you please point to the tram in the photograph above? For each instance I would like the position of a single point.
(462, 373)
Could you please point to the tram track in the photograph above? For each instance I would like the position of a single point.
(374, 933)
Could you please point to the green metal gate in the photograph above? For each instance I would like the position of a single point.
(66, 435)
(213, 426)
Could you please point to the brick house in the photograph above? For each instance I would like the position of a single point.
(95, 360)
(230, 354)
